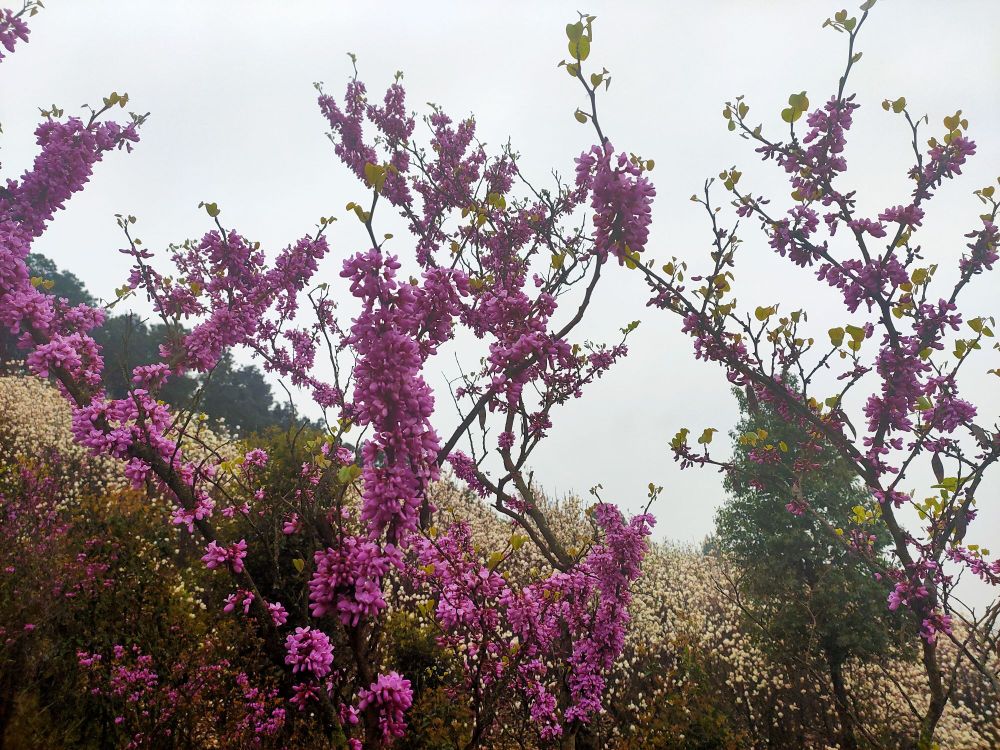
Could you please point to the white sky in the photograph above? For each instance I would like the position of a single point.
(234, 120)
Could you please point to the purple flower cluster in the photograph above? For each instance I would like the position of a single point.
(12, 30)
(589, 603)
(348, 580)
(232, 556)
(309, 650)
(400, 325)
(391, 696)
(621, 198)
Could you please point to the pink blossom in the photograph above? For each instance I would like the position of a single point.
(392, 696)
(309, 650)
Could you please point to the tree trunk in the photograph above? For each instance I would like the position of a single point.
(938, 699)
(8, 691)
(848, 740)
(568, 741)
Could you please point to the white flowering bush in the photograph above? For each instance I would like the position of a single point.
(696, 672)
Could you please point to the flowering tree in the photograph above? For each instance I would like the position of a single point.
(494, 256)
(902, 344)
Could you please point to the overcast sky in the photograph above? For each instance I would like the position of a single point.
(234, 120)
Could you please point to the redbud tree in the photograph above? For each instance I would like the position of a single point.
(494, 255)
(899, 349)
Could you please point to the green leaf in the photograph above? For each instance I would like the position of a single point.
(680, 439)
(574, 30)
(347, 474)
(948, 483)
(579, 49)
(836, 336)
(375, 176)
(580, 116)
(763, 313)
(856, 333)
(299, 564)
(799, 101)
(706, 436)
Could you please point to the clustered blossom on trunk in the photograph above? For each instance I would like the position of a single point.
(143, 695)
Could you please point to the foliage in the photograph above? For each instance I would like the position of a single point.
(694, 673)
(792, 561)
(794, 581)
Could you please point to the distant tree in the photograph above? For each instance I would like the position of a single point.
(64, 283)
(801, 589)
(237, 395)
(241, 397)
(126, 342)
(59, 283)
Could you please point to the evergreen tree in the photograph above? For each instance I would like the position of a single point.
(60, 283)
(801, 586)
(64, 283)
(237, 395)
